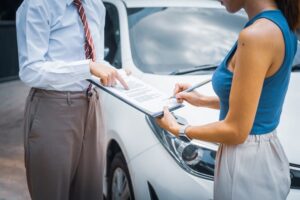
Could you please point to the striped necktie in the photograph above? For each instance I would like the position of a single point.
(89, 44)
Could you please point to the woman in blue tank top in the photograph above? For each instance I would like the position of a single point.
(251, 84)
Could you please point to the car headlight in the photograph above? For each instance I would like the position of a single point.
(193, 158)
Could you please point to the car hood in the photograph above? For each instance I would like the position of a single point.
(287, 133)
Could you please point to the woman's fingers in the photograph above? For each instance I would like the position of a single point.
(179, 100)
(162, 121)
(183, 96)
(179, 87)
(176, 89)
(190, 97)
(166, 110)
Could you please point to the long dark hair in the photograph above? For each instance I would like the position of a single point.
(290, 9)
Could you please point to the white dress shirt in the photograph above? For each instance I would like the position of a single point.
(51, 42)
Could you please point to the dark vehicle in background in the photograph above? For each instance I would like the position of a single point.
(9, 67)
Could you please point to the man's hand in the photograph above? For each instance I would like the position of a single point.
(108, 75)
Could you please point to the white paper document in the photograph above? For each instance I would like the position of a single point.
(141, 96)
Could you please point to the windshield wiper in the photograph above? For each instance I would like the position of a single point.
(296, 67)
(194, 69)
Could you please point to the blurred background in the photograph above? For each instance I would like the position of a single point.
(12, 97)
(8, 47)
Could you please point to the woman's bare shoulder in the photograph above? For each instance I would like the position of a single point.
(263, 33)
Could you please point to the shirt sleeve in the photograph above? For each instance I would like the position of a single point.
(33, 31)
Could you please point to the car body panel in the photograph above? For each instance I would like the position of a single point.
(289, 123)
(147, 159)
(168, 179)
(146, 155)
(172, 3)
(132, 131)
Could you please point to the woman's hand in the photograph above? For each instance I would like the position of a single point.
(168, 122)
(193, 98)
(108, 75)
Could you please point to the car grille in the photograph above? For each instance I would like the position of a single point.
(295, 176)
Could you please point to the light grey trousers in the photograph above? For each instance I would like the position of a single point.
(257, 169)
(63, 150)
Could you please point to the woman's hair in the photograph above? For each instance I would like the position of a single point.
(291, 11)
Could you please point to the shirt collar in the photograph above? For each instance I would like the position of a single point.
(69, 2)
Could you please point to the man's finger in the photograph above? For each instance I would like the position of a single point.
(109, 80)
(104, 81)
(114, 83)
(121, 80)
(127, 71)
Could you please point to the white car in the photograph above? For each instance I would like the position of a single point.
(164, 42)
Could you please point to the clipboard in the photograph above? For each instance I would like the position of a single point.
(127, 96)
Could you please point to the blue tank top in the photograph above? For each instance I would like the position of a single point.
(274, 87)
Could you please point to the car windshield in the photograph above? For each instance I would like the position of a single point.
(164, 40)
(174, 39)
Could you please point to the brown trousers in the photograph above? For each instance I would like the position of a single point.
(63, 150)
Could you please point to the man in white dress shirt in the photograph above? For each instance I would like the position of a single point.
(60, 45)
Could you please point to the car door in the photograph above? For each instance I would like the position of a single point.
(112, 36)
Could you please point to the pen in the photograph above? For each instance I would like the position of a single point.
(192, 88)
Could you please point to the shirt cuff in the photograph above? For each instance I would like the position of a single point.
(82, 69)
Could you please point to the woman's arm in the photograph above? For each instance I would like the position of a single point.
(254, 56)
(210, 102)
